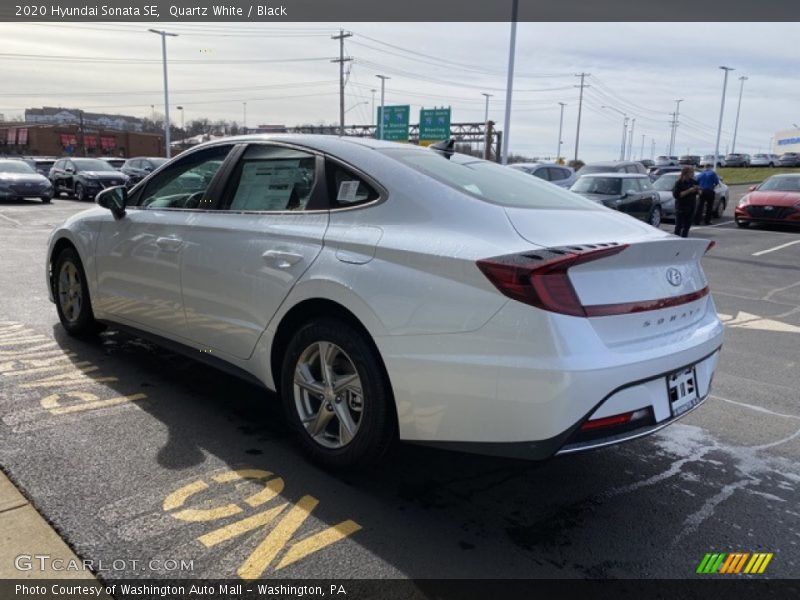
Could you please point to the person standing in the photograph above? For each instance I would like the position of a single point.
(685, 194)
(708, 182)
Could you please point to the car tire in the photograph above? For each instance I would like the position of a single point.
(45, 200)
(655, 217)
(71, 294)
(720, 210)
(771, 165)
(742, 224)
(358, 424)
(80, 193)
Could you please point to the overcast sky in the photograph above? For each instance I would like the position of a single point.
(639, 69)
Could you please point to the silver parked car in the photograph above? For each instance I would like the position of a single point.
(559, 175)
(666, 182)
(764, 160)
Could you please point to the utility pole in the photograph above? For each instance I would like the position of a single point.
(580, 107)
(383, 79)
(560, 129)
(674, 134)
(164, 35)
(373, 107)
(641, 150)
(183, 129)
(630, 139)
(341, 60)
(244, 116)
(510, 80)
(721, 112)
(652, 148)
(742, 79)
(486, 116)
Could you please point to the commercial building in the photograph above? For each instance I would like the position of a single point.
(73, 140)
(74, 116)
(786, 141)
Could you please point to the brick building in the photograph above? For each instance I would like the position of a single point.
(72, 140)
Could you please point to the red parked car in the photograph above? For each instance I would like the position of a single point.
(776, 200)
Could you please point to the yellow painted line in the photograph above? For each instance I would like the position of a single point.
(240, 474)
(23, 340)
(177, 498)
(269, 548)
(47, 369)
(43, 348)
(207, 514)
(76, 377)
(755, 563)
(239, 527)
(88, 404)
(764, 564)
(318, 541)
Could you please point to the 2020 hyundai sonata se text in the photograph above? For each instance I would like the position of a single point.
(387, 291)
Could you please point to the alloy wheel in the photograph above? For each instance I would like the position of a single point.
(70, 291)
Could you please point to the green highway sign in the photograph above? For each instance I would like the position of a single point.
(434, 125)
(395, 123)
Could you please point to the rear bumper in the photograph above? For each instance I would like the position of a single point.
(524, 383)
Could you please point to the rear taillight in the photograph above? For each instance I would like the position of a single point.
(614, 420)
(540, 279)
(711, 244)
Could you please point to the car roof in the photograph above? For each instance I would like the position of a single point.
(616, 174)
(611, 163)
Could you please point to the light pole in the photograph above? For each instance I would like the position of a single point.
(672, 139)
(624, 129)
(383, 79)
(510, 81)
(721, 112)
(641, 150)
(164, 35)
(373, 117)
(183, 129)
(486, 112)
(244, 116)
(560, 129)
(742, 79)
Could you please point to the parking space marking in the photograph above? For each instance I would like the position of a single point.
(781, 247)
(747, 321)
(32, 361)
(288, 518)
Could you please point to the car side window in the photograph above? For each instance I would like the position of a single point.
(556, 174)
(271, 179)
(629, 186)
(645, 185)
(134, 164)
(542, 174)
(345, 188)
(185, 182)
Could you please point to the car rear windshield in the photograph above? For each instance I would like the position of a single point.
(489, 181)
(92, 164)
(14, 166)
(608, 186)
(586, 169)
(781, 183)
(666, 182)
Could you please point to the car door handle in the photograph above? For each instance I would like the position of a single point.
(170, 244)
(281, 259)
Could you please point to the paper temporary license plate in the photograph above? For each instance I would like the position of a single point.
(682, 389)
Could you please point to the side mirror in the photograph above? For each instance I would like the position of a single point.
(752, 188)
(69, 170)
(114, 199)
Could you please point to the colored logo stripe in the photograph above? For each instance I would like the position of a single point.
(733, 563)
(758, 563)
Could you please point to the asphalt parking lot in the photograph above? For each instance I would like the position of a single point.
(134, 453)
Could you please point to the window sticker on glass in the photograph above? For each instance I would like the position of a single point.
(347, 192)
(265, 185)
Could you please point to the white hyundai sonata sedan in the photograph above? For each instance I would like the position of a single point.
(387, 291)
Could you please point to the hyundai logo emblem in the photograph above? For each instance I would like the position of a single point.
(674, 276)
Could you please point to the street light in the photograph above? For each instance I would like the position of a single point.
(742, 79)
(624, 129)
(630, 139)
(164, 35)
(383, 79)
(244, 116)
(510, 80)
(721, 112)
(373, 107)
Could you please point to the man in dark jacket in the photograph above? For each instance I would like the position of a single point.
(685, 194)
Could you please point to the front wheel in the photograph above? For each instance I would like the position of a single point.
(743, 224)
(72, 295)
(655, 216)
(336, 395)
(720, 210)
(80, 193)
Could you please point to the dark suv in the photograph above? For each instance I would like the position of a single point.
(84, 177)
(789, 159)
(613, 166)
(140, 167)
